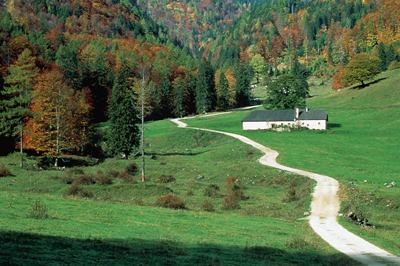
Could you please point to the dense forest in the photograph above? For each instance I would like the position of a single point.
(68, 65)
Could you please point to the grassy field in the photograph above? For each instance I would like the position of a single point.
(360, 149)
(119, 223)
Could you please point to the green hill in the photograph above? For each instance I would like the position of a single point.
(360, 149)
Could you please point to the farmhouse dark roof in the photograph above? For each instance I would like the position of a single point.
(285, 115)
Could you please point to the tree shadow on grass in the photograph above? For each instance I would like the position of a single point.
(35, 249)
(360, 87)
(334, 125)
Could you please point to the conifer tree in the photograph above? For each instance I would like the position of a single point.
(243, 94)
(205, 89)
(223, 92)
(179, 96)
(17, 97)
(123, 135)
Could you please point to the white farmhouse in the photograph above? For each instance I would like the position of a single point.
(268, 119)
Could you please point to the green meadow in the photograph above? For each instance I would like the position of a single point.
(119, 220)
(361, 149)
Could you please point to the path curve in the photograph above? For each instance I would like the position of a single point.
(324, 208)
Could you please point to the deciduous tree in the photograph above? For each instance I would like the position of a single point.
(286, 92)
(361, 67)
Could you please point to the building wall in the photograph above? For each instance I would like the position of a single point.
(311, 124)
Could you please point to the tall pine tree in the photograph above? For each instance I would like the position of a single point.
(223, 92)
(123, 135)
(18, 97)
(205, 89)
(243, 77)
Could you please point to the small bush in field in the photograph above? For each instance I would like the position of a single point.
(229, 203)
(208, 206)
(114, 173)
(170, 201)
(75, 189)
(4, 171)
(131, 168)
(67, 178)
(127, 177)
(189, 192)
(103, 178)
(211, 190)
(39, 210)
(139, 201)
(234, 187)
(85, 179)
(165, 179)
(290, 195)
(77, 171)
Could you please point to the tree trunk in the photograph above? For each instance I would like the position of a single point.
(21, 138)
(143, 173)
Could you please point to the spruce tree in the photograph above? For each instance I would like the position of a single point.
(205, 89)
(223, 92)
(13, 108)
(243, 94)
(123, 135)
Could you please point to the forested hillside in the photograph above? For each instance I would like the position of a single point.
(323, 35)
(187, 56)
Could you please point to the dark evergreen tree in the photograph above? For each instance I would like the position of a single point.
(179, 96)
(382, 56)
(67, 58)
(123, 135)
(223, 92)
(205, 88)
(243, 78)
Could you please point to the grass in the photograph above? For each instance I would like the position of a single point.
(121, 222)
(361, 146)
(88, 232)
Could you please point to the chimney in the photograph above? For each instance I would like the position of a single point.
(297, 112)
(306, 109)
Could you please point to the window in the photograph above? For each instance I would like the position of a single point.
(302, 123)
(319, 123)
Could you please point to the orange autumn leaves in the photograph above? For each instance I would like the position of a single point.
(61, 116)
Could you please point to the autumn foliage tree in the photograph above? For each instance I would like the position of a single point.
(60, 116)
(361, 67)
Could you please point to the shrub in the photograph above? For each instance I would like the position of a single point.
(394, 65)
(39, 210)
(230, 202)
(103, 178)
(189, 192)
(208, 206)
(211, 190)
(77, 171)
(75, 189)
(67, 178)
(165, 179)
(170, 201)
(4, 171)
(290, 195)
(127, 177)
(139, 201)
(114, 173)
(131, 168)
(234, 188)
(85, 179)
(45, 162)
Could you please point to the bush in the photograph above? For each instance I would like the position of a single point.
(103, 178)
(208, 206)
(139, 201)
(75, 189)
(170, 201)
(67, 178)
(189, 192)
(230, 202)
(165, 179)
(290, 195)
(234, 188)
(4, 171)
(211, 190)
(394, 65)
(39, 210)
(127, 177)
(131, 168)
(46, 162)
(85, 179)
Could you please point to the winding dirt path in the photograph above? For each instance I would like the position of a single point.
(324, 209)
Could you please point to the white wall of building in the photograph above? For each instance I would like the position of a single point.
(311, 124)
